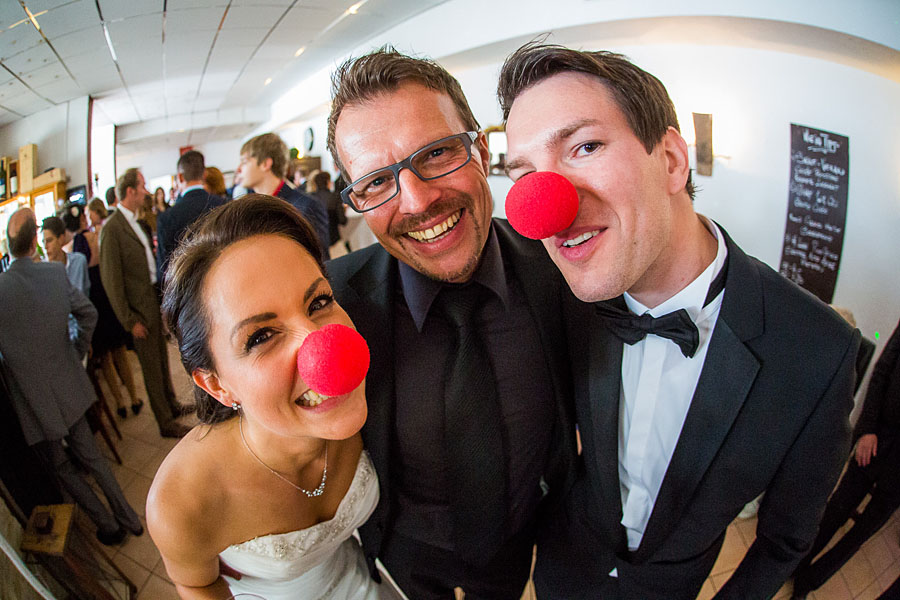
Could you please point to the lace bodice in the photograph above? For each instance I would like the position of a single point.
(322, 561)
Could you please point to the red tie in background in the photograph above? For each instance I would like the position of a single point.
(541, 204)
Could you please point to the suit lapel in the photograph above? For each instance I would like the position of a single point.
(725, 381)
(605, 375)
(375, 283)
(119, 221)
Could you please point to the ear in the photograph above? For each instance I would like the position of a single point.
(266, 165)
(677, 164)
(209, 383)
(481, 144)
(180, 179)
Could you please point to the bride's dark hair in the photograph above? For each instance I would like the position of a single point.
(183, 308)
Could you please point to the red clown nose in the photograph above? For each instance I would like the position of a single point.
(541, 204)
(333, 360)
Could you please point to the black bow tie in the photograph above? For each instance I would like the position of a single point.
(676, 326)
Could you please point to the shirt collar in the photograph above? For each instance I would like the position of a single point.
(128, 214)
(420, 290)
(693, 296)
(190, 189)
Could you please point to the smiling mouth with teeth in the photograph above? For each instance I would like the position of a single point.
(580, 239)
(311, 399)
(433, 233)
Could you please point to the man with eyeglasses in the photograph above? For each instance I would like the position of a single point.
(467, 426)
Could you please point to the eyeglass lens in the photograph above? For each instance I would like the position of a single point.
(433, 161)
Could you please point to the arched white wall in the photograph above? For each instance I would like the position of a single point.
(754, 91)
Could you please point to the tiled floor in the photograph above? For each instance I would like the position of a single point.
(142, 450)
(865, 577)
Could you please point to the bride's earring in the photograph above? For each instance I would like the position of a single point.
(235, 406)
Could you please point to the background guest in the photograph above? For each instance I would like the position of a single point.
(321, 189)
(214, 182)
(109, 339)
(874, 468)
(159, 201)
(53, 388)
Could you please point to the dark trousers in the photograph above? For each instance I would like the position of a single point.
(853, 487)
(154, 358)
(425, 572)
(82, 445)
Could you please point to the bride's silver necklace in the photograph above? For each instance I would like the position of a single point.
(309, 493)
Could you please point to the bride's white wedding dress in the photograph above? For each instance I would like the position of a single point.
(321, 562)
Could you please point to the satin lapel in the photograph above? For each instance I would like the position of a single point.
(605, 380)
(725, 381)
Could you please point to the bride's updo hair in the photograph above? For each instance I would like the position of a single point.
(183, 304)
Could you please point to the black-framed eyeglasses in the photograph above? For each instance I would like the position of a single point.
(435, 160)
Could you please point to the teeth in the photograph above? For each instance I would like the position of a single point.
(580, 239)
(311, 399)
(430, 234)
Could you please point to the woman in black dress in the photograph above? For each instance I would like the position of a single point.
(108, 342)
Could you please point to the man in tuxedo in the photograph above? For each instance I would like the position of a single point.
(732, 382)
(874, 468)
(458, 311)
(264, 162)
(48, 384)
(193, 202)
(128, 272)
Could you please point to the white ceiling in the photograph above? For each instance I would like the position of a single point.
(193, 70)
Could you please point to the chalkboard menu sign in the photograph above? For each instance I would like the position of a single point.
(817, 209)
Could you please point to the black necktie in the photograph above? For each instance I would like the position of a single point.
(473, 441)
(676, 326)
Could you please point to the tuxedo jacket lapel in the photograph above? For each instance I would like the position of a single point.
(725, 381)
(605, 375)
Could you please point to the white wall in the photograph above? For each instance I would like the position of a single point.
(61, 135)
(754, 95)
(103, 159)
(162, 161)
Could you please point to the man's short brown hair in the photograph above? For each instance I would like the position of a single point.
(268, 145)
(640, 96)
(358, 80)
(128, 179)
(191, 165)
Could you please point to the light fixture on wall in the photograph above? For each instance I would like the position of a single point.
(703, 143)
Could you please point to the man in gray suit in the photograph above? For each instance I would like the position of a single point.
(128, 272)
(51, 390)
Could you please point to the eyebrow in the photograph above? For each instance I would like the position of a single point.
(554, 139)
(249, 320)
(266, 316)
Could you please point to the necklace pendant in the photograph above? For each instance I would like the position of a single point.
(309, 493)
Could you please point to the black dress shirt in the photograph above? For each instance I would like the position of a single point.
(424, 341)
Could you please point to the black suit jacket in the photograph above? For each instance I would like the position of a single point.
(769, 414)
(880, 415)
(365, 284)
(172, 223)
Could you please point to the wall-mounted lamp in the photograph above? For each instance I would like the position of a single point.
(704, 147)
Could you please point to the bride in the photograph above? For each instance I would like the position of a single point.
(274, 481)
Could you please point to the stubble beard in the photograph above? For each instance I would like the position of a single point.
(398, 233)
